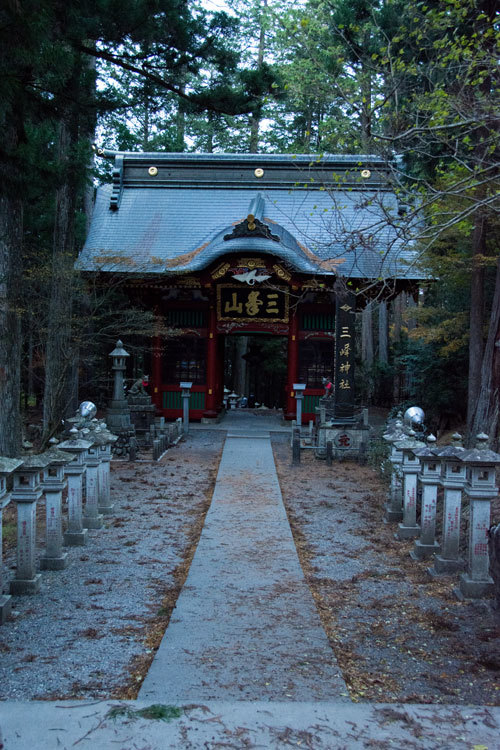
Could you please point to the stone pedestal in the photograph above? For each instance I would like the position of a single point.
(448, 560)
(408, 528)
(92, 519)
(26, 492)
(54, 558)
(53, 485)
(75, 535)
(7, 466)
(480, 488)
(427, 546)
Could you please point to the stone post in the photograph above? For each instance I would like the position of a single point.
(26, 492)
(186, 395)
(76, 534)
(296, 447)
(105, 506)
(480, 488)
(452, 481)
(408, 528)
(7, 466)
(299, 389)
(430, 474)
(53, 484)
(329, 453)
(92, 519)
(394, 507)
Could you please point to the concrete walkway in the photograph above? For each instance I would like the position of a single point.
(245, 656)
(245, 626)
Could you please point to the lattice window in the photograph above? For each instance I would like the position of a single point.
(315, 362)
(184, 360)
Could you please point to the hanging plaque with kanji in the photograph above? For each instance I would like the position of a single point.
(247, 304)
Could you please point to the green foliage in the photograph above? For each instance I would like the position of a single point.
(156, 712)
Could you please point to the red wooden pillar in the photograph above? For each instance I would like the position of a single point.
(211, 395)
(293, 366)
(155, 390)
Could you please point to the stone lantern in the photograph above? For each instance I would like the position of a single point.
(186, 395)
(75, 535)
(118, 412)
(7, 466)
(430, 474)
(53, 484)
(27, 490)
(452, 481)
(410, 467)
(480, 488)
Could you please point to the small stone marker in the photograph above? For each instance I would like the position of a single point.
(296, 447)
(329, 453)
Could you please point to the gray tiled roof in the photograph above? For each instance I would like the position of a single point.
(328, 218)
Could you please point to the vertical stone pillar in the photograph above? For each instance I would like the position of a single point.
(53, 485)
(292, 364)
(26, 492)
(394, 506)
(453, 476)
(105, 506)
(92, 519)
(408, 528)
(345, 316)
(429, 477)
(7, 466)
(76, 534)
(211, 395)
(186, 395)
(156, 377)
(481, 489)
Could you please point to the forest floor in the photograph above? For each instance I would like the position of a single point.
(398, 635)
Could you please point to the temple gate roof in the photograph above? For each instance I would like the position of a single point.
(178, 213)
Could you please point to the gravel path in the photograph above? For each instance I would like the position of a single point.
(397, 635)
(92, 629)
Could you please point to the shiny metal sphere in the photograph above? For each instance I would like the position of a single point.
(414, 416)
(87, 409)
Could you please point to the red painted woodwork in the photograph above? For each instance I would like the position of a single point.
(293, 365)
(211, 401)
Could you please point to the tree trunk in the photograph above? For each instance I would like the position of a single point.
(254, 119)
(486, 412)
(383, 333)
(59, 352)
(367, 347)
(476, 317)
(11, 224)
(397, 308)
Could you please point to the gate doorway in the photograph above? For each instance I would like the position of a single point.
(255, 367)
